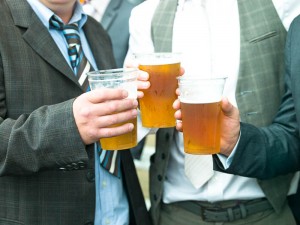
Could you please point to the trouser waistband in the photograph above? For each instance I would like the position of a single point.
(225, 211)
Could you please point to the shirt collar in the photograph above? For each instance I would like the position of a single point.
(45, 13)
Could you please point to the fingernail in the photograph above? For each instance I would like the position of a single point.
(135, 103)
(124, 93)
(130, 127)
(134, 112)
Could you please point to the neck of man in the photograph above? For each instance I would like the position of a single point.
(64, 9)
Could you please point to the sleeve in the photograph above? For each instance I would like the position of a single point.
(274, 150)
(47, 138)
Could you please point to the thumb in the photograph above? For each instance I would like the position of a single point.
(229, 110)
(227, 107)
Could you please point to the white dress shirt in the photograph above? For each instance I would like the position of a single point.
(210, 46)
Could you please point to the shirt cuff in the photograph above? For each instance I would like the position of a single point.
(226, 161)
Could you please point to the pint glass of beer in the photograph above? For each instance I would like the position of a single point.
(156, 105)
(201, 113)
(125, 78)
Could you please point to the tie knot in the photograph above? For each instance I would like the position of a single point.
(71, 33)
(56, 23)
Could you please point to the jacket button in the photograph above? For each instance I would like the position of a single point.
(69, 167)
(167, 136)
(155, 197)
(90, 176)
(81, 165)
(62, 169)
(75, 166)
(163, 156)
(159, 177)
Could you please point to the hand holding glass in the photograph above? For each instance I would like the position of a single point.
(124, 78)
(201, 113)
(156, 105)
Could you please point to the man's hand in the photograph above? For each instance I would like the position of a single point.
(177, 115)
(142, 79)
(96, 110)
(230, 124)
(142, 83)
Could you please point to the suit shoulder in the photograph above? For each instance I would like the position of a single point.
(95, 26)
(296, 21)
(294, 30)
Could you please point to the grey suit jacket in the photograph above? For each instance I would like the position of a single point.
(270, 151)
(115, 22)
(46, 172)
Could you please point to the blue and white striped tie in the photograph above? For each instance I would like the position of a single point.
(79, 62)
(110, 160)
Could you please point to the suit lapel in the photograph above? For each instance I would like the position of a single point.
(98, 46)
(110, 13)
(38, 37)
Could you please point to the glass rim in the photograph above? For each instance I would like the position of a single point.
(193, 78)
(114, 73)
(157, 53)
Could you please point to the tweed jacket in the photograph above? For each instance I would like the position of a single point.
(259, 90)
(46, 172)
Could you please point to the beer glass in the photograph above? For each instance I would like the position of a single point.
(156, 105)
(125, 78)
(201, 113)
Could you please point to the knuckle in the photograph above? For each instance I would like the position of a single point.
(107, 133)
(112, 106)
(85, 111)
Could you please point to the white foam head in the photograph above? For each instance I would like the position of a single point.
(201, 90)
(123, 78)
(160, 58)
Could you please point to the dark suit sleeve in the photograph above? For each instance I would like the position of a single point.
(274, 150)
(44, 139)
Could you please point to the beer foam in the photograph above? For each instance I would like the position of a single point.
(200, 91)
(159, 61)
(157, 58)
(200, 99)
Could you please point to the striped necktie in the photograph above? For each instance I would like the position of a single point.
(109, 160)
(79, 62)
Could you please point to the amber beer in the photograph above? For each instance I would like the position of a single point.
(201, 127)
(124, 141)
(156, 105)
(124, 78)
(200, 100)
